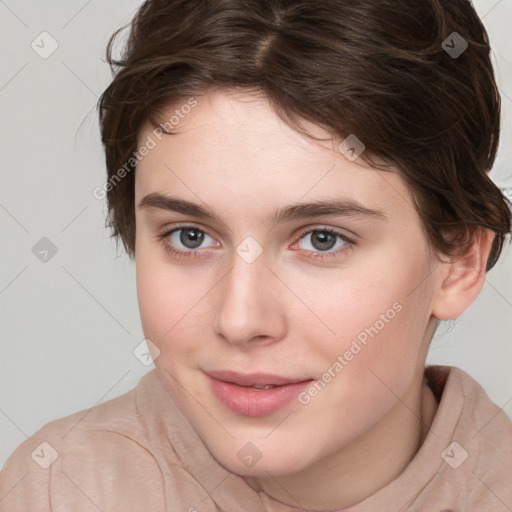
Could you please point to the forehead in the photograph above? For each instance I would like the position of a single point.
(233, 148)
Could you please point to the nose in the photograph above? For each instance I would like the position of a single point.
(249, 304)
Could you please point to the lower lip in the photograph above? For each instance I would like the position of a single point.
(256, 402)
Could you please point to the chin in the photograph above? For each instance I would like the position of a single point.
(276, 464)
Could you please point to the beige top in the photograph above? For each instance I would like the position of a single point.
(138, 453)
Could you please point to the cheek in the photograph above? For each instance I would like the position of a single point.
(169, 305)
(369, 365)
(376, 318)
(168, 301)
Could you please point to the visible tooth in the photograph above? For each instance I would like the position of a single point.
(258, 386)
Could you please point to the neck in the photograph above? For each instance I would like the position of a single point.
(360, 469)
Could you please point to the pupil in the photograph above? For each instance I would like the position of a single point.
(191, 238)
(321, 237)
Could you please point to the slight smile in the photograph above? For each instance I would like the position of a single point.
(255, 394)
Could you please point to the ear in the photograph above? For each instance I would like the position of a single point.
(463, 278)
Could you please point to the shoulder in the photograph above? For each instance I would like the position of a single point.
(484, 437)
(83, 460)
(118, 455)
(491, 441)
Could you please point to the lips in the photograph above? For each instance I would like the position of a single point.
(253, 379)
(255, 394)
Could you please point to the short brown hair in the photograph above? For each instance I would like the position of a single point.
(376, 69)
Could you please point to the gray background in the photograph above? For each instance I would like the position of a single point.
(70, 324)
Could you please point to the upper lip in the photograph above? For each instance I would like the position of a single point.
(253, 379)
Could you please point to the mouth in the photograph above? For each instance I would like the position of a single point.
(255, 394)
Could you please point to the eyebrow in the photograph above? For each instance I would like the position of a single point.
(334, 207)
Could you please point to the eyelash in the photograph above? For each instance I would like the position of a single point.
(193, 253)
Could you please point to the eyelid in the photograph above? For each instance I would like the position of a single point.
(166, 231)
(301, 232)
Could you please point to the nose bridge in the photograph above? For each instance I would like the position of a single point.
(245, 302)
(248, 272)
(245, 284)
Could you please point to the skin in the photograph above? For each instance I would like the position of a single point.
(289, 313)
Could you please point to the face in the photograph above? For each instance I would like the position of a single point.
(287, 287)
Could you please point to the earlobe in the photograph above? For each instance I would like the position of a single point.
(463, 278)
